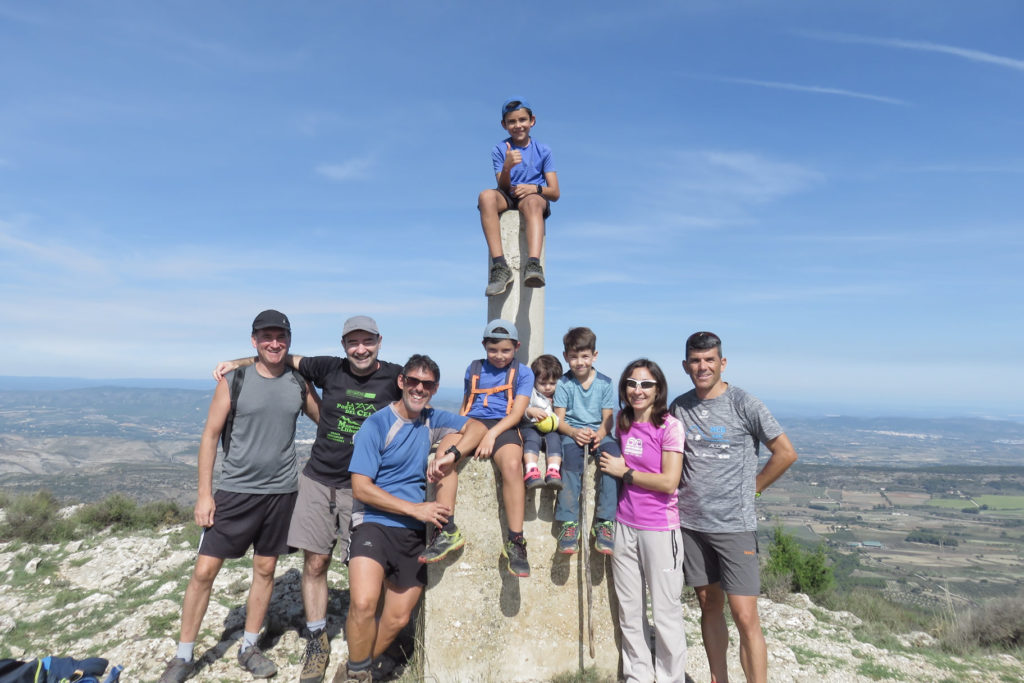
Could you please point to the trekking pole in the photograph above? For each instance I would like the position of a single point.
(586, 553)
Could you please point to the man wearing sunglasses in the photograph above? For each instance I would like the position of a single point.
(354, 387)
(389, 478)
(725, 427)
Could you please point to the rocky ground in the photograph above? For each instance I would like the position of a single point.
(119, 598)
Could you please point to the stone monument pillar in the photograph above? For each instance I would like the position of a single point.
(480, 623)
(523, 306)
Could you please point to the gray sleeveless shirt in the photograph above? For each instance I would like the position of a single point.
(262, 457)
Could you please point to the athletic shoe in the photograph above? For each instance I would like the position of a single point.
(604, 537)
(442, 543)
(568, 538)
(553, 480)
(316, 658)
(256, 663)
(533, 275)
(515, 553)
(346, 675)
(177, 671)
(532, 479)
(498, 280)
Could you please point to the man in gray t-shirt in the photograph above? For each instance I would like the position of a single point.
(725, 427)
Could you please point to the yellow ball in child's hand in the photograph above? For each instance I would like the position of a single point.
(548, 424)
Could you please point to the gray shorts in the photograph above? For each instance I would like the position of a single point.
(727, 558)
(322, 517)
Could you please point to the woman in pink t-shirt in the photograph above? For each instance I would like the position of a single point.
(648, 546)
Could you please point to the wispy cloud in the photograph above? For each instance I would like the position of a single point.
(743, 176)
(820, 90)
(923, 46)
(353, 169)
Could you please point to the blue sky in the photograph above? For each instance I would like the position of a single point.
(835, 188)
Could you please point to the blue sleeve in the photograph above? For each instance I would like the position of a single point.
(368, 444)
(547, 161)
(561, 399)
(609, 400)
(443, 422)
(524, 385)
(498, 156)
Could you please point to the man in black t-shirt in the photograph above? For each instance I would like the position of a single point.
(353, 388)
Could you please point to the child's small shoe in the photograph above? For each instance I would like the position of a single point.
(568, 538)
(532, 479)
(604, 537)
(553, 479)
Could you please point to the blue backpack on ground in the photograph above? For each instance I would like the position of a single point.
(58, 670)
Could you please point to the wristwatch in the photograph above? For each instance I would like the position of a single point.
(540, 189)
(627, 477)
(456, 451)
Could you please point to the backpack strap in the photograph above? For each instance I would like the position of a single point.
(237, 377)
(474, 390)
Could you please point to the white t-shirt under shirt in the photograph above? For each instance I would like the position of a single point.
(642, 447)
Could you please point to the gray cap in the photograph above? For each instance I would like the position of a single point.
(271, 318)
(512, 333)
(360, 322)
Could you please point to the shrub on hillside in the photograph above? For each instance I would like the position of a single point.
(35, 518)
(998, 625)
(121, 513)
(808, 571)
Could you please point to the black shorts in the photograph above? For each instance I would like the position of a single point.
(513, 203)
(241, 520)
(509, 436)
(397, 549)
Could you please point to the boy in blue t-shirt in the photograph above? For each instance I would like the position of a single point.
(526, 181)
(585, 401)
(497, 392)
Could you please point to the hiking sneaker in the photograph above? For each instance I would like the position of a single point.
(515, 553)
(553, 479)
(533, 275)
(346, 675)
(255, 662)
(177, 670)
(568, 538)
(442, 543)
(498, 279)
(532, 479)
(604, 537)
(316, 657)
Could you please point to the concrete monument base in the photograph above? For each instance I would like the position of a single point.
(480, 623)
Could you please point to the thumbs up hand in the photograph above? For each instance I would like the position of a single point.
(512, 157)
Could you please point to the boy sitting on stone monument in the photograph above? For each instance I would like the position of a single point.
(526, 181)
(497, 391)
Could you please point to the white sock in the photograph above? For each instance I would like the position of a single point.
(185, 651)
(248, 640)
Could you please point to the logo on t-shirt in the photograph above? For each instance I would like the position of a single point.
(634, 446)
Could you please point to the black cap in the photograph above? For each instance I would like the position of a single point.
(271, 318)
